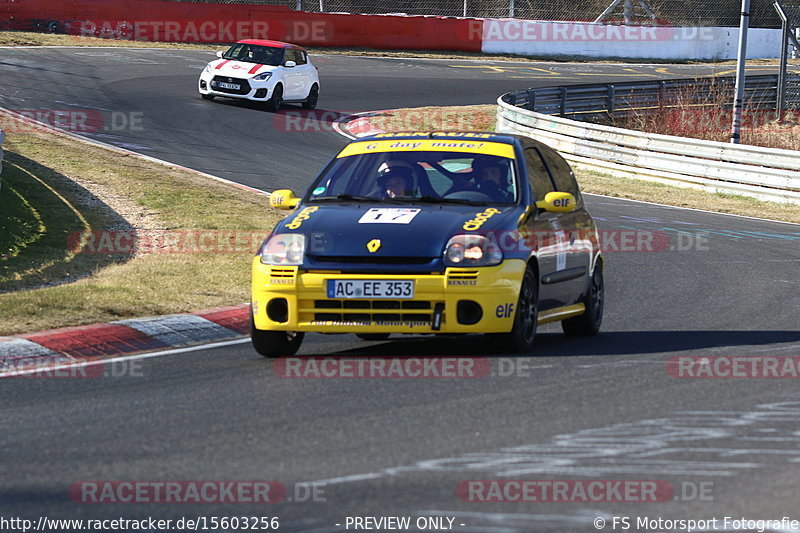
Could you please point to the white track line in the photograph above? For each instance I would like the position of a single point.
(148, 355)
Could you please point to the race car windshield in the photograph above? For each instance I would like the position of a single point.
(422, 177)
(250, 53)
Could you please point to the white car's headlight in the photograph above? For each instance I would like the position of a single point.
(263, 77)
(472, 250)
(283, 249)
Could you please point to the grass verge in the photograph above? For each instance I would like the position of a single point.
(478, 117)
(195, 236)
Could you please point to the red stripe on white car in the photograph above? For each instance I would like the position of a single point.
(223, 64)
(255, 69)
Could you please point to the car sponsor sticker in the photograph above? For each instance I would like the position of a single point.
(318, 191)
(480, 219)
(429, 145)
(388, 215)
(301, 217)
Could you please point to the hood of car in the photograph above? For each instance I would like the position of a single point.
(238, 69)
(390, 233)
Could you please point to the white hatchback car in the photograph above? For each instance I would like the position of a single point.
(272, 72)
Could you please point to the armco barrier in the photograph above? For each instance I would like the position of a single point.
(764, 173)
(224, 23)
(217, 22)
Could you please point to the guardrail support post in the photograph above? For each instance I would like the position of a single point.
(738, 103)
(610, 98)
(563, 106)
(531, 99)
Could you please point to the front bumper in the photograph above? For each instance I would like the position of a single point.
(250, 89)
(286, 299)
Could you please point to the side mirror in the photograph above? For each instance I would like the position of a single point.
(219, 54)
(557, 202)
(283, 199)
(290, 64)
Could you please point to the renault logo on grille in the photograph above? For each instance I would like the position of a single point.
(374, 245)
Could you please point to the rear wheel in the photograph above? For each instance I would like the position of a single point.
(526, 319)
(274, 343)
(589, 322)
(313, 96)
(274, 103)
(372, 336)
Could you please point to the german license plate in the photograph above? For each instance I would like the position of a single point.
(374, 289)
(224, 85)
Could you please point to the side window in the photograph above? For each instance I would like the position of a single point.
(300, 57)
(562, 174)
(538, 176)
(288, 55)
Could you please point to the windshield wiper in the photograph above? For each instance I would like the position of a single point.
(347, 198)
(436, 200)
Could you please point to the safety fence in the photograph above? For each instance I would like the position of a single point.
(674, 13)
(765, 173)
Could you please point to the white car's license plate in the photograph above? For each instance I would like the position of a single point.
(361, 288)
(224, 85)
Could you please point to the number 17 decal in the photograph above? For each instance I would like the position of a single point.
(388, 215)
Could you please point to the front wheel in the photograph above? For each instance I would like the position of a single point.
(274, 103)
(313, 96)
(521, 337)
(589, 322)
(275, 343)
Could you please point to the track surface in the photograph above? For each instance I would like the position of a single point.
(600, 408)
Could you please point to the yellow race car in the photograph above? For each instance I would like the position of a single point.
(430, 232)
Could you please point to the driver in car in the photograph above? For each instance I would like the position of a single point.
(397, 182)
(492, 180)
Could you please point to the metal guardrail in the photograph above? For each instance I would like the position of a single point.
(765, 173)
(613, 99)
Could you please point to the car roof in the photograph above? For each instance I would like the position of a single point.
(449, 135)
(272, 44)
(489, 136)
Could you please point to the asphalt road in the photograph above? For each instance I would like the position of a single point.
(605, 408)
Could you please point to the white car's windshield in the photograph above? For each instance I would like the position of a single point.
(251, 53)
(446, 177)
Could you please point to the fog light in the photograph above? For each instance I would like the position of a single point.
(468, 312)
(278, 310)
(203, 85)
(260, 93)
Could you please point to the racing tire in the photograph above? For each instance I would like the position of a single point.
(526, 318)
(274, 103)
(207, 96)
(313, 97)
(588, 323)
(373, 336)
(275, 343)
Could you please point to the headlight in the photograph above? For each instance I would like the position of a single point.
(283, 249)
(472, 250)
(263, 77)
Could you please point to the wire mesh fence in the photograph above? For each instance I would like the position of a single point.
(670, 12)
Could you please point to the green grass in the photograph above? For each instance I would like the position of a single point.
(20, 223)
(74, 187)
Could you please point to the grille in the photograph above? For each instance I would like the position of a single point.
(372, 310)
(366, 259)
(242, 82)
(282, 272)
